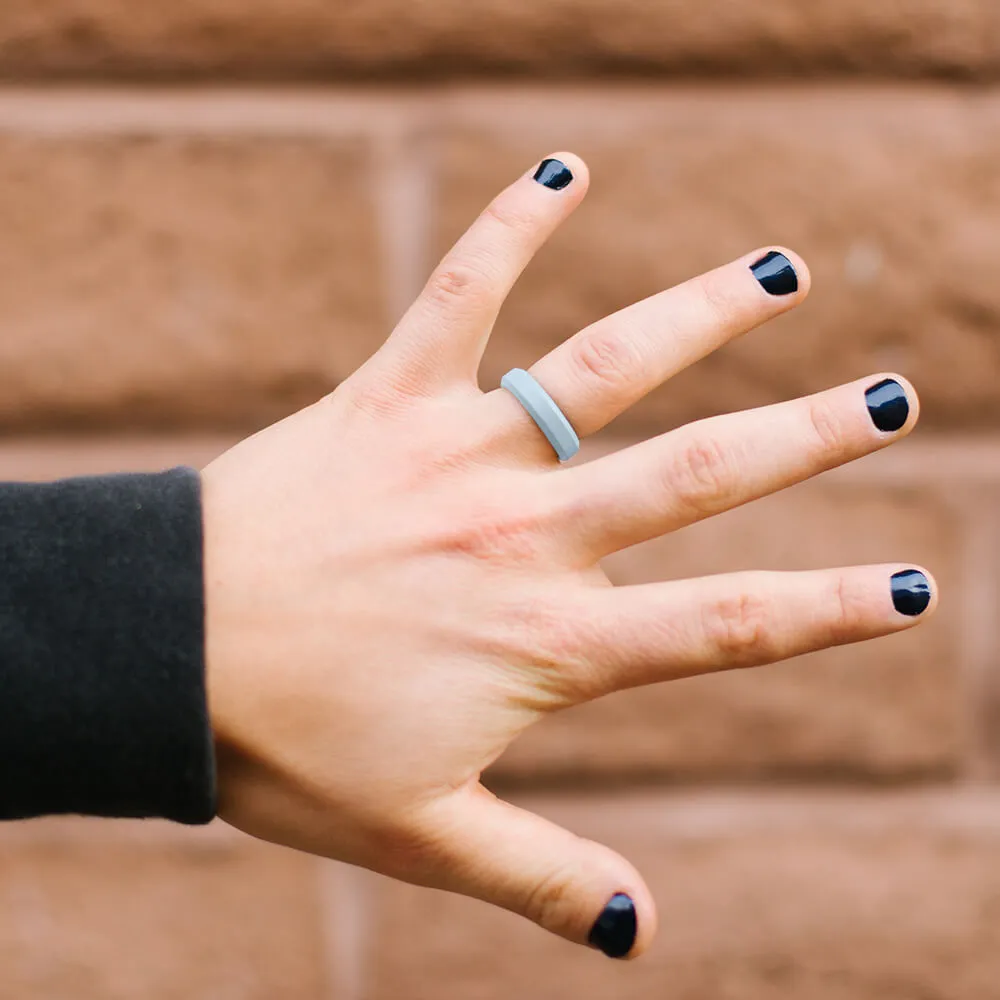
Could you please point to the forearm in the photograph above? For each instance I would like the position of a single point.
(102, 691)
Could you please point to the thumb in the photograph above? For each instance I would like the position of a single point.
(576, 888)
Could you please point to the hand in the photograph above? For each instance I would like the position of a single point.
(401, 579)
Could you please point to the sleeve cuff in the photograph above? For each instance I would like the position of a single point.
(103, 706)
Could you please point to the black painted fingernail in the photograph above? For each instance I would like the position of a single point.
(614, 931)
(553, 174)
(911, 592)
(888, 405)
(776, 274)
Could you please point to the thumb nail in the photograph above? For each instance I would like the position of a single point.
(614, 931)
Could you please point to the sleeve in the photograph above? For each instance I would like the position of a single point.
(103, 707)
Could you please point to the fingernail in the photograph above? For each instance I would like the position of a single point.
(911, 592)
(614, 931)
(553, 174)
(888, 405)
(776, 274)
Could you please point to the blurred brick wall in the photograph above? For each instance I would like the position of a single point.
(212, 211)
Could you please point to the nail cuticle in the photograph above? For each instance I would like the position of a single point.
(911, 592)
(888, 406)
(553, 174)
(776, 274)
(615, 929)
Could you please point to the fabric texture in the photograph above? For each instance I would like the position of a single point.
(103, 708)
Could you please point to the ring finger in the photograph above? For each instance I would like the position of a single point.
(604, 369)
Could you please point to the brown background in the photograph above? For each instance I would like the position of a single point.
(210, 212)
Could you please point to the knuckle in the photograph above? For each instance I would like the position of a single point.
(826, 425)
(847, 614)
(548, 643)
(498, 532)
(545, 650)
(372, 397)
(606, 357)
(722, 301)
(741, 630)
(456, 282)
(701, 476)
(495, 539)
(403, 849)
(502, 212)
(550, 897)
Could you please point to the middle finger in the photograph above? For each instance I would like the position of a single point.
(604, 369)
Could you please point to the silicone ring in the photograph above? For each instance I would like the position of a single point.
(542, 408)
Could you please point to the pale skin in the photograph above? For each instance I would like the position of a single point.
(401, 578)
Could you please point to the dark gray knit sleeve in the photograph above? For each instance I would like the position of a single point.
(102, 666)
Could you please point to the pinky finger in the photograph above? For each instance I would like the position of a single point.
(657, 632)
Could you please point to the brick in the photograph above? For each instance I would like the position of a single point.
(887, 193)
(89, 912)
(215, 277)
(309, 38)
(842, 897)
(886, 710)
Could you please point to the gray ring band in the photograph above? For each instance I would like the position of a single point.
(542, 408)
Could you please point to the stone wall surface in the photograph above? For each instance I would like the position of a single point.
(212, 213)
(308, 39)
(242, 254)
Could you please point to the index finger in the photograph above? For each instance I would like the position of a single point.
(444, 333)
